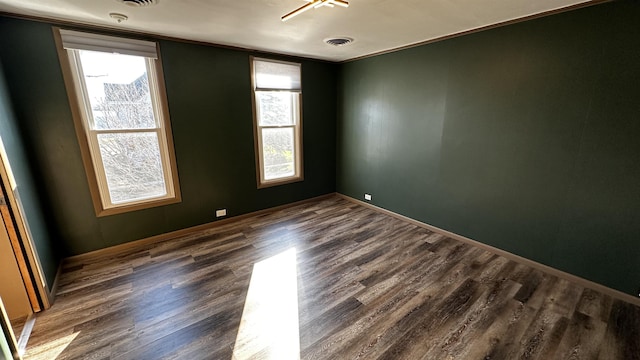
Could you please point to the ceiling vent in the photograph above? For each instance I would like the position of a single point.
(139, 3)
(341, 41)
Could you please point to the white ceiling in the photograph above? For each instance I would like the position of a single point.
(376, 25)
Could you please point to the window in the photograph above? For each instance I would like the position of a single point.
(117, 96)
(277, 94)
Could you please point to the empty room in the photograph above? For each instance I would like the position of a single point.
(319, 179)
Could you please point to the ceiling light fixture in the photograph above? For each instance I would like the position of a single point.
(314, 4)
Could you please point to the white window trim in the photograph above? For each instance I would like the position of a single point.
(257, 130)
(83, 116)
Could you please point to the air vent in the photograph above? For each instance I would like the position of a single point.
(139, 3)
(341, 41)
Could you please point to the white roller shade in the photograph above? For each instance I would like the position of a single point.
(275, 75)
(87, 41)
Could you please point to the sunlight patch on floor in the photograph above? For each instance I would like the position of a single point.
(269, 325)
(51, 349)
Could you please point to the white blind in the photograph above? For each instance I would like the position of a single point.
(87, 41)
(276, 75)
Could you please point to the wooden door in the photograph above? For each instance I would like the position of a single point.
(15, 229)
(12, 288)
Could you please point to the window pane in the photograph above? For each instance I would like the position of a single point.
(278, 153)
(132, 166)
(118, 90)
(275, 108)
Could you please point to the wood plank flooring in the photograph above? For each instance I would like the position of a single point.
(17, 325)
(328, 279)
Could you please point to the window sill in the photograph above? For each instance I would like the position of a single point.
(100, 212)
(277, 182)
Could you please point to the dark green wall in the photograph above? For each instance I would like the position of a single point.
(209, 97)
(524, 137)
(27, 193)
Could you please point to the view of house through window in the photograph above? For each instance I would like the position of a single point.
(277, 93)
(277, 121)
(124, 125)
(123, 121)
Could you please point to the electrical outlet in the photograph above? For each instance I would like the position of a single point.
(222, 212)
(367, 197)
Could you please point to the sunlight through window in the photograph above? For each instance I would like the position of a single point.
(269, 325)
(52, 349)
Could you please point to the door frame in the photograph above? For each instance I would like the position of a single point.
(11, 214)
(7, 332)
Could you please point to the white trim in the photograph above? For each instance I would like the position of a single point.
(7, 332)
(76, 40)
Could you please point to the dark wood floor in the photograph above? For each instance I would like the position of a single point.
(325, 280)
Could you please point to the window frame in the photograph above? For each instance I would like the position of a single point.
(88, 137)
(257, 128)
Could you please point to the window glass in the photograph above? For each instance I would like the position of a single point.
(277, 117)
(122, 120)
(118, 90)
(279, 154)
(132, 166)
(275, 108)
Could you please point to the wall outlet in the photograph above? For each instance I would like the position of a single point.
(222, 212)
(367, 197)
